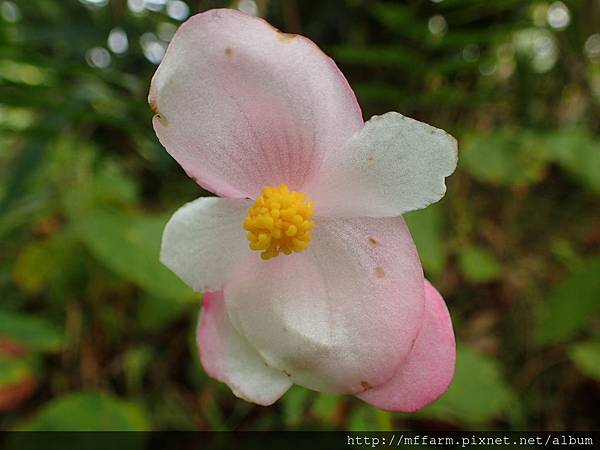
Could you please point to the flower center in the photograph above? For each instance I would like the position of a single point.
(279, 222)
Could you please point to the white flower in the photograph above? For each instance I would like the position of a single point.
(334, 298)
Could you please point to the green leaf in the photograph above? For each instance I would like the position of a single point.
(36, 266)
(155, 313)
(363, 418)
(325, 407)
(376, 56)
(88, 411)
(426, 228)
(32, 332)
(46, 265)
(477, 394)
(294, 405)
(571, 304)
(506, 157)
(586, 356)
(13, 370)
(129, 245)
(112, 185)
(478, 265)
(135, 365)
(400, 19)
(578, 152)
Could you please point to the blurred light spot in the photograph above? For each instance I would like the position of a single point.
(155, 5)
(178, 10)
(10, 12)
(487, 69)
(248, 7)
(95, 3)
(165, 31)
(437, 1)
(471, 53)
(437, 25)
(153, 49)
(505, 69)
(505, 51)
(117, 41)
(545, 54)
(592, 47)
(558, 16)
(539, 46)
(98, 57)
(136, 6)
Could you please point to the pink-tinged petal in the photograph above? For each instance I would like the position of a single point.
(340, 316)
(226, 356)
(241, 105)
(425, 375)
(393, 165)
(204, 240)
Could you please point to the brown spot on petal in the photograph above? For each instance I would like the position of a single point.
(373, 241)
(287, 374)
(285, 37)
(366, 386)
(379, 272)
(153, 105)
(228, 51)
(162, 119)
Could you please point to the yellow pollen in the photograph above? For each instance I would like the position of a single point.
(279, 222)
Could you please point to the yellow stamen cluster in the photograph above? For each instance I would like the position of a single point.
(279, 222)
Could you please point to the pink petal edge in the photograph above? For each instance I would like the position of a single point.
(428, 370)
(227, 357)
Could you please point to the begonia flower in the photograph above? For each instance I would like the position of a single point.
(309, 271)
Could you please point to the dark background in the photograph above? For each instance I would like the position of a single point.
(96, 334)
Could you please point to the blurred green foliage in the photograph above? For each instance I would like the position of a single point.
(96, 334)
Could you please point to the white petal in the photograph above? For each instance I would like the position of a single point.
(226, 356)
(204, 240)
(393, 165)
(340, 316)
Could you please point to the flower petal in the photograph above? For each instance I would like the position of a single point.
(204, 240)
(426, 373)
(340, 316)
(393, 165)
(226, 356)
(241, 105)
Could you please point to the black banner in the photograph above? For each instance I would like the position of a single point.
(171, 440)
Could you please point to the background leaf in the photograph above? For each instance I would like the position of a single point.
(478, 265)
(477, 394)
(426, 227)
(34, 333)
(571, 305)
(130, 245)
(88, 411)
(586, 356)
